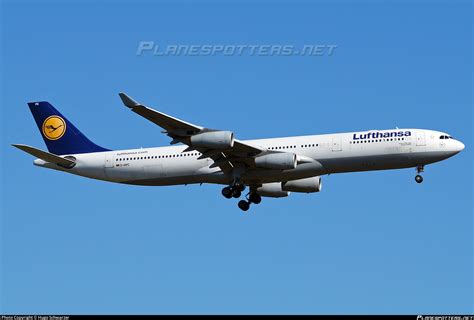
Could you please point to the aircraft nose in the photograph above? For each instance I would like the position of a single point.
(459, 146)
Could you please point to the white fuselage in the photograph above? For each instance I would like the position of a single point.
(332, 153)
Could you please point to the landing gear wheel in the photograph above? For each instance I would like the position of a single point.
(255, 198)
(418, 178)
(244, 205)
(236, 193)
(227, 192)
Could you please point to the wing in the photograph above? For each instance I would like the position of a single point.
(225, 155)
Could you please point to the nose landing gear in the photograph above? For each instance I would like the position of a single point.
(419, 178)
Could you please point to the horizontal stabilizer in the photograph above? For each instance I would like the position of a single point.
(46, 156)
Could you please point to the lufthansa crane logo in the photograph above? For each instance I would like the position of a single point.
(54, 127)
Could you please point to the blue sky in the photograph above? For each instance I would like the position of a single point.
(368, 243)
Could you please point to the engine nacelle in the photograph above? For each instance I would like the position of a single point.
(307, 185)
(213, 140)
(279, 161)
(272, 190)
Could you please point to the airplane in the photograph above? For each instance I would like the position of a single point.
(267, 167)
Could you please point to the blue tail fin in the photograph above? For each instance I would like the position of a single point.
(60, 135)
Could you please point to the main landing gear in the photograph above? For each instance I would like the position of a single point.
(244, 205)
(255, 198)
(235, 191)
(419, 178)
(251, 198)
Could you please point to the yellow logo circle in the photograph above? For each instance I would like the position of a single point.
(54, 127)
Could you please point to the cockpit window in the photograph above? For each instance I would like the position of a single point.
(442, 137)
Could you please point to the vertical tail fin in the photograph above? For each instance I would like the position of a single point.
(60, 135)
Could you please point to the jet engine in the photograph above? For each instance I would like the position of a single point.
(283, 189)
(307, 185)
(213, 140)
(279, 161)
(272, 190)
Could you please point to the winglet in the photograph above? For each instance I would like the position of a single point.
(127, 101)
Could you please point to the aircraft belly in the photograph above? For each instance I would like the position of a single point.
(381, 161)
(366, 163)
(119, 174)
(179, 173)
